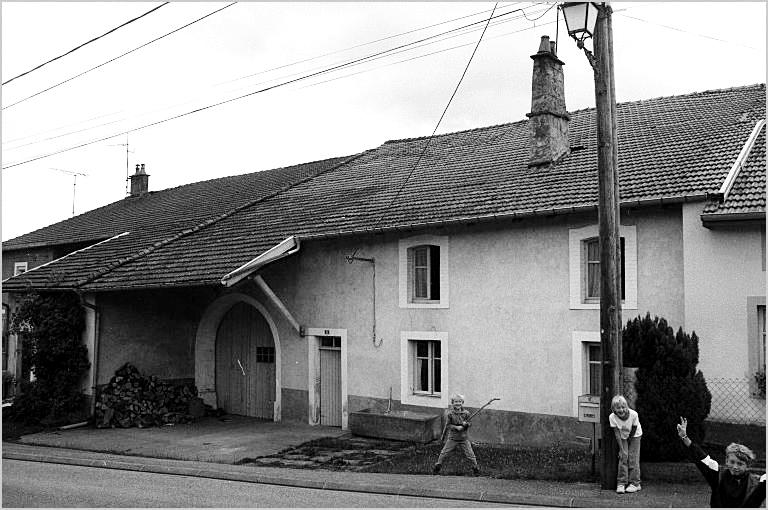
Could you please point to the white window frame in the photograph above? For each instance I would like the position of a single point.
(404, 245)
(408, 395)
(576, 267)
(20, 267)
(580, 341)
(755, 339)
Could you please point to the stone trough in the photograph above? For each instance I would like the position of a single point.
(397, 425)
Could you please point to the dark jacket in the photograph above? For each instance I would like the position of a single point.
(728, 491)
(454, 418)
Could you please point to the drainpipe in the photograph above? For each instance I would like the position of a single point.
(96, 336)
(352, 258)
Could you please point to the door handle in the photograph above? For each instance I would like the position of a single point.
(241, 367)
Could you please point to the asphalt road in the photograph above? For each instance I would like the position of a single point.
(35, 484)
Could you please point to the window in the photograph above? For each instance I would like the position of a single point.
(594, 368)
(423, 365)
(5, 339)
(265, 354)
(426, 373)
(330, 342)
(761, 337)
(584, 267)
(19, 267)
(423, 272)
(591, 269)
(755, 341)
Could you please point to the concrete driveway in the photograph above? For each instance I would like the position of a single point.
(228, 439)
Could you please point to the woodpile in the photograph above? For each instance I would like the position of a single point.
(133, 400)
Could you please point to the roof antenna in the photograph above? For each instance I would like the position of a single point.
(74, 183)
(127, 167)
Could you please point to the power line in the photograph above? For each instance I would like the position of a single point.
(303, 61)
(686, 31)
(364, 44)
(203, 108)
(118, 57)
(429, 140)
(85, 43)
(428, 54)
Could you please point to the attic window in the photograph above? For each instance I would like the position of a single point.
(19, 267)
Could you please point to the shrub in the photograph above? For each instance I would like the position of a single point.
(668, 385)
(50, 327)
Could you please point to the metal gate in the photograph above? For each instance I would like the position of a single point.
(330, 381)
(245, 363)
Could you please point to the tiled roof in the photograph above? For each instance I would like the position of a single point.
(672, 147)
(172, 209)
(747, 197)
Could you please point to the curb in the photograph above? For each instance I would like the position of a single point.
(227, 472)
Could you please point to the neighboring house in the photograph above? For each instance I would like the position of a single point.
(475, 275)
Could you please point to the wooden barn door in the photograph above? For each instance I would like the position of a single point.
(245, 363)
(330, 381)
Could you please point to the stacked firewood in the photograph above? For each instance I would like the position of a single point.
(132, 400)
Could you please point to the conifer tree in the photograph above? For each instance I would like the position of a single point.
(668, 385)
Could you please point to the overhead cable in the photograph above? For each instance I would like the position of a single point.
(119, 56)
(429, 140)
(265, 89)
(307, 60)
(85, 43)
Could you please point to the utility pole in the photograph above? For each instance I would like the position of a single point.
(585, 20)
(608, 219)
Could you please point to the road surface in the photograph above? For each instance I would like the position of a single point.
(36, 484)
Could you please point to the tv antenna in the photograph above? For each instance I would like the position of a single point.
(127, 167)
(74, 183)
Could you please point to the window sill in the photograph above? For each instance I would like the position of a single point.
(426, 395)
(425, 304)
(596, 306)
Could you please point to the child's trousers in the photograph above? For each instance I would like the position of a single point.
(464, 446)
(629, 463)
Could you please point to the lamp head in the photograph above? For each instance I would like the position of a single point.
(580, 19)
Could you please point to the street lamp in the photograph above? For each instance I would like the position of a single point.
(580, 18)
(591, 20)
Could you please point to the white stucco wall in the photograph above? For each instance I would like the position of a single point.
(722, 268)
(724, 274)
(509, 323)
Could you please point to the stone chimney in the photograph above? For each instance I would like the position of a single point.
(139, 181)
(548, 120)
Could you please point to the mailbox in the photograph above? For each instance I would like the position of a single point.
(589, 408)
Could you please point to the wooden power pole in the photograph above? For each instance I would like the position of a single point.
(608, 218)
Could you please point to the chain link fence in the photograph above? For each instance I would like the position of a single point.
(736, 401)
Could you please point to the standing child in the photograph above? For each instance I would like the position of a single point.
(457, 425)
(626, 427)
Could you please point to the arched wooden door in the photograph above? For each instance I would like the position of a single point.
(245, 363)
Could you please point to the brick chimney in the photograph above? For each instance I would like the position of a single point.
(548, 120)
(139, 181)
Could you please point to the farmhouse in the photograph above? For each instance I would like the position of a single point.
(465, 262)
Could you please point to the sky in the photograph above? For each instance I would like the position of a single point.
(141, 87)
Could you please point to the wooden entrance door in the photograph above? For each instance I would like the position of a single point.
(330, 381)
(245, 363)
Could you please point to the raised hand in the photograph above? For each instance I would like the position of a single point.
(682, 428)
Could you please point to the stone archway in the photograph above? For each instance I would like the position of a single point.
(205, 347)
